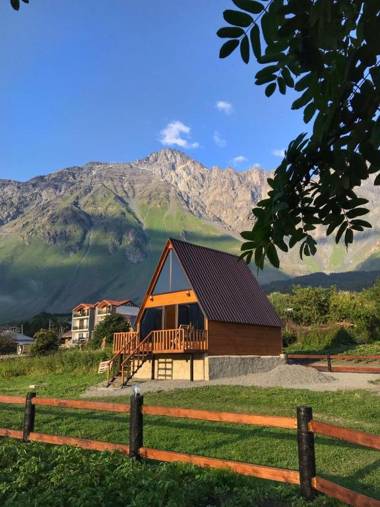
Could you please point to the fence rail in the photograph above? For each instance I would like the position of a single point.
(338, 357)
(306, 427)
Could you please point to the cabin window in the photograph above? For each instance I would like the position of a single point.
(191, 314)
(172, 277)
(152, 319)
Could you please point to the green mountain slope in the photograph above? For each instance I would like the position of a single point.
(96, 231)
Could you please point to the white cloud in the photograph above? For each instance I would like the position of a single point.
(279, 153)
(218, 140)
(239, 159)
(224, 106)
(177, 133)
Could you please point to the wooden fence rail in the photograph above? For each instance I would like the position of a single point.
(338, 357)
(306, 427)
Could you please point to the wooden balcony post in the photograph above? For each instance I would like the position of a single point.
(135, 424)
(29, 416)
(306, 452)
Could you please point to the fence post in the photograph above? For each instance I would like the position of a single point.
(329, 363)
(29, 416)
(306, 452)
(135, 423)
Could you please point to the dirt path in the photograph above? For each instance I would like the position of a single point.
(325, 382)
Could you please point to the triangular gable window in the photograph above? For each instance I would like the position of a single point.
(172, 277)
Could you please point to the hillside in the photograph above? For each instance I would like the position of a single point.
(88, 232)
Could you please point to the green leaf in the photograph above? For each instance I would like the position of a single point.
(287, 77)
(230, 32)
(15, 4)
(270, 89)
(362, 223)
(309, 112)
(255, 41)
(303, 83)
(249, 6)
(237, 18)
(272, 255)
(357, 212)
(244, 49)
(259, 258)
(228, 47)
(247, 235)
(281, 85)
(249, 245)
(349, 237)
(303, 100)
(341, 230)
(269, 27)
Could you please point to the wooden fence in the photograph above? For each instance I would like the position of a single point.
(304, 424)
(329, 358)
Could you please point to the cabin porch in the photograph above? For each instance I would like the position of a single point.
(184, 339)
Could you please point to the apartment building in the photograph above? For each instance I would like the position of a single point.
(86, 316)
(82, 323)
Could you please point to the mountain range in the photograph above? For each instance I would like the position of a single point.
(95, 231)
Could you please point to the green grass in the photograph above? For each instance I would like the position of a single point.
(362, 349)
(106, 479)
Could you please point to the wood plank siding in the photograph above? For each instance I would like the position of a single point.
(226, 338)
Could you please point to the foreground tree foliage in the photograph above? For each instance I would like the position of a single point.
(16, 3)
(328, 52)
(105, 329)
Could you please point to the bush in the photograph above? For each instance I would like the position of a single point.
(7, 345)
(45, 342)
(322, 339)
(111, 324)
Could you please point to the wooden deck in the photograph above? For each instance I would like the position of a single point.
(170, 341)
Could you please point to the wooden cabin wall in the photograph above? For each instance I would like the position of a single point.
(240, 339)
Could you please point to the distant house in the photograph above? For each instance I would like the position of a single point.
(125, 307)
(86, 316)
(24, 343)
(200, 303)
(82, 323)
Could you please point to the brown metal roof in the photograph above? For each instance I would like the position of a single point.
(225, 286)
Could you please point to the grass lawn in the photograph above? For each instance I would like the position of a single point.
(63, 476)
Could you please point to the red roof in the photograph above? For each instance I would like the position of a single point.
(84, 306)
(115, 302)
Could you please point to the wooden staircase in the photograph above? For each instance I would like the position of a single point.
(128, 360)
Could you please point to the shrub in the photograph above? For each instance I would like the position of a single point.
(111, 324)
(7, 345)
(45, 342)
(322, 339)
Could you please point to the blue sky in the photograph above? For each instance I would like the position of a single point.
(115, 80)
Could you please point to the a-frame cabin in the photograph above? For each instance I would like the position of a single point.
(200, 303)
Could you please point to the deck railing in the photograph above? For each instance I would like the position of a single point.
(163, 340)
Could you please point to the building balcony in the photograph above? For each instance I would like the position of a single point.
(168, 341)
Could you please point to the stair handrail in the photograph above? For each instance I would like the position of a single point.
(115, 356)
(137, 348)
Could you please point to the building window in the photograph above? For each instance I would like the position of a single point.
(172, 277)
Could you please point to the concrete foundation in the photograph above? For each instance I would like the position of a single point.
(178, 366)
(235, 366)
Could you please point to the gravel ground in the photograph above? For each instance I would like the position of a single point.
(288, 376)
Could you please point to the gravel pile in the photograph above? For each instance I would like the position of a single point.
(287, 376)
